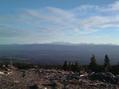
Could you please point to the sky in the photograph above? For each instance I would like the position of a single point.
(67, 21)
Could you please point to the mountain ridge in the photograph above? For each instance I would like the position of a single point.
(58, 53)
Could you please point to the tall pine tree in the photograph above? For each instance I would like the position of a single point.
(93, 64)
(106, 63)
(65, 65)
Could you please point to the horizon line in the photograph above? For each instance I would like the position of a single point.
(61, 43)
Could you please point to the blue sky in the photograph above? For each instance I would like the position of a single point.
(47, 21)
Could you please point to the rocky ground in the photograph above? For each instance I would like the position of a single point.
(54, 79)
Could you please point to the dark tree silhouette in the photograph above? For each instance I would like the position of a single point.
(93, 64)
(106, 63)
(69, 66)
(65, 65)
(76, 67)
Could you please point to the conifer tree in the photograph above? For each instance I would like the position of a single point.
(65, 65)
(106, 63)
(93, 64)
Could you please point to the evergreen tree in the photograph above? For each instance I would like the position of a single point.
(106, 63)
(75, 67)
(69, 66)
(65, 65)
(93, 64)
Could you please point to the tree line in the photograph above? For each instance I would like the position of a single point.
(75, 66)
(93, 66)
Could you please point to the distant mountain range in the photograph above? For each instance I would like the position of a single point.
(57, 53)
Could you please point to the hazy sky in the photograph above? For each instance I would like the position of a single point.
(44, 21)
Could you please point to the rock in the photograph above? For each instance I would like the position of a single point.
(104, 77)
(117, 79)
(73, 76)
(33, 87)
